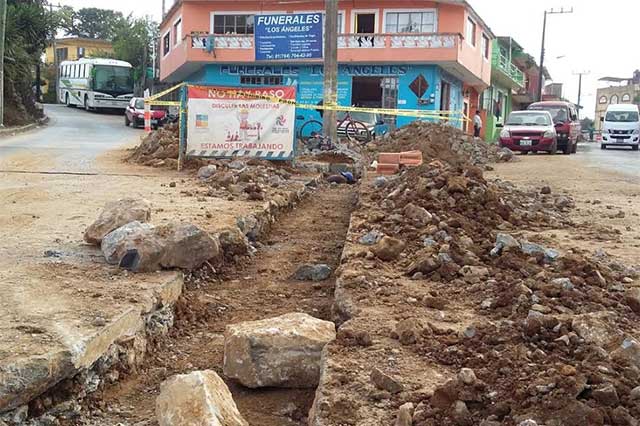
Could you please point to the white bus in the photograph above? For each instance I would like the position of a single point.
(96, 83)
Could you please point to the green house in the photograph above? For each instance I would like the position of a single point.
(506, 78)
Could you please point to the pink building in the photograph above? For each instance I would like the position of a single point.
(425, 55)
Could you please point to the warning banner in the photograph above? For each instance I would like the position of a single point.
(246, 122)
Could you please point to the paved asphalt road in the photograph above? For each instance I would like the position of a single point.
(72, 139)
(621, 159)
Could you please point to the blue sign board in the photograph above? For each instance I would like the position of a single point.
(288, 37)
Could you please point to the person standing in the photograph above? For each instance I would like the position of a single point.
(477, 124)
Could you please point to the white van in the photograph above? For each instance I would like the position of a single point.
(621, 126)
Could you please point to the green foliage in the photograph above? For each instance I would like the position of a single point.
(586, 123)
(92, 22)
(28, 27)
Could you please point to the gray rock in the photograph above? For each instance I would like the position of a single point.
(461, 414)
(418, 215)
(405, 415)
(112, 244)
(546, 190)
(371, 238)
(380, 182)
(628, 353)
(565, 283)
(186, 246)
(504, 242)
(384, 381)
(429, 242)
(116, 214)
(319, 272)
(233, 242)
(467, 376)
(505, 155)
(207, 171)
(236, 165)
(606, 395)
(563, 202)
(528, 422)
(635, 394)
(283, 351)
(533, 249)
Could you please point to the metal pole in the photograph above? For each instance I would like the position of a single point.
(3, 21)
(330, 128)
(579, 93)
(541, 76)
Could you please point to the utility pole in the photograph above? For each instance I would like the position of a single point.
(330, 127)
(3, 22)
(542, 51)
(163, 9)
(580, 74)
(55, 56)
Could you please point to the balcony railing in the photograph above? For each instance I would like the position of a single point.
(503, 63)
(345, 41)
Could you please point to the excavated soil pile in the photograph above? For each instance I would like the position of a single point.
(444, 142)
(503, 330)
(159, 148)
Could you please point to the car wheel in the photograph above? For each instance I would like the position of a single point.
(534, 152)
(635, 147)
(554, 148)
(127, 122)
(567, 149)
(603, 146)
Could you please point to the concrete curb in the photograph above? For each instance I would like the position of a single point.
(12, 131)
(123, 343)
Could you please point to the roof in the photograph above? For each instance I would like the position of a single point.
(465, 3)
(622, 107)
(506, 40)
(91, 40)
(615, 79)
(99, 61)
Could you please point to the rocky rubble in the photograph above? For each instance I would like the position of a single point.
(159, 148)
(443, 142)
(443, 277)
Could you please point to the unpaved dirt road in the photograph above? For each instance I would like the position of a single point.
(606, 187)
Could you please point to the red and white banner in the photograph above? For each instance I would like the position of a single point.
(241, 122)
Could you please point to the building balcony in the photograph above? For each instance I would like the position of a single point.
(506, 72)
(444, 49)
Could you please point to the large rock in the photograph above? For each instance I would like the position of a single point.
(418, 215)
(113, 243)
(598, 328)
(319, 272)
(115, 215)
(281, 352)
(197, 399)
(186, 246)
(233, 242)
(628, 353)
(174, 245)
(388, 248)
(632, 297)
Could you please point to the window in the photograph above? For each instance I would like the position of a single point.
(62, 54)
(166, 44)
(622, 116)
(485, 46)
(233, 24)
(177, 32)
(253, 80)
(471, 32)
(411, 22)
(603, 100)
(626, 97)
(80, 52)
(614, 99)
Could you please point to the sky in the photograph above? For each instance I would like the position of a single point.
(599, 38)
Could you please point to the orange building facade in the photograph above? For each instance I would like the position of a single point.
(419, 55)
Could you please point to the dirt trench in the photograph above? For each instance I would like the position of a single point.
(261, 287)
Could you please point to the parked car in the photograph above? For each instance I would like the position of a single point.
(565, 119)
(134, 113)
(621, 126)
(529, 131)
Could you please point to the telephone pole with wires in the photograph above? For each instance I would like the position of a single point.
(3, 25)
(542, 51)
(580, 74)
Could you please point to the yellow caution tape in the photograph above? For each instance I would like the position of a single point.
(432, 114)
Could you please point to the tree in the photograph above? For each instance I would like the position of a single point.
(92, 22)
(28, 27)
(586, 123)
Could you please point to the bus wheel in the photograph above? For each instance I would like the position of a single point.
(86, 103)
(67, 101)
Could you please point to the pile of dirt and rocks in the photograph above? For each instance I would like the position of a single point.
(159, 148)
(444, 142)
(443, 278)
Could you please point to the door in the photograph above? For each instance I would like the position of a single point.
(390, 99)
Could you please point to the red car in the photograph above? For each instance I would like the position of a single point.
(135, 114)
(529, 131)
(565, 120)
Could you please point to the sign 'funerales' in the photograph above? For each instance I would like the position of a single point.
(286, 37)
